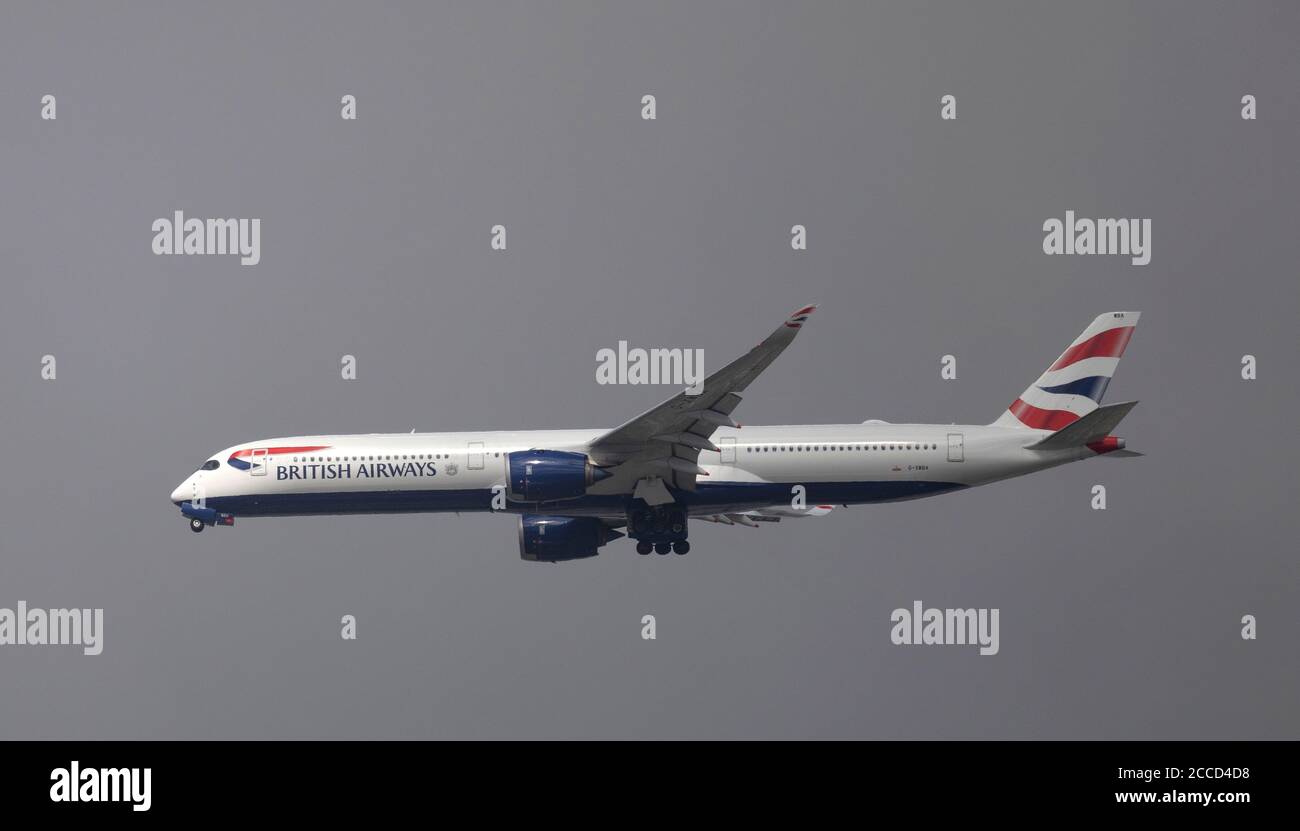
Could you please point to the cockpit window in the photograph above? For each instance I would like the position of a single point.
(210, 464)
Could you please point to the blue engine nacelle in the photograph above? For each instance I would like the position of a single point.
(554, 539)
(548, 475)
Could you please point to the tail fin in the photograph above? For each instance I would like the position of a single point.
(1073, 385)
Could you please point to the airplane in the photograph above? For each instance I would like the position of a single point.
(573, 490)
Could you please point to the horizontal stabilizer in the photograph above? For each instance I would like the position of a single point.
(1095, 425)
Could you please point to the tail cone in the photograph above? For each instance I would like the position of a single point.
(1107, 445)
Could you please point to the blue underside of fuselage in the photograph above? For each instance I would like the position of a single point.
(719, 496)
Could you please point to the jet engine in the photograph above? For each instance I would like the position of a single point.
(548, 475)
(554, 539)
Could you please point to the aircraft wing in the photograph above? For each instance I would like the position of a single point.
(666, 441)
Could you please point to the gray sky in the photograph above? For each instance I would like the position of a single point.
(924, 240)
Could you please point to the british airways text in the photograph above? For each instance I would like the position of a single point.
(377, 470)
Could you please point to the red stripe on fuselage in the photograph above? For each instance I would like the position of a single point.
(1107, 344)
(1038, 419)
(275, 451)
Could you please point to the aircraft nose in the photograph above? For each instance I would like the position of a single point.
(181, 493)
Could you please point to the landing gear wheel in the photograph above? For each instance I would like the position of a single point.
(682, 547)
(662, 547)
(196, 525)
(644, 548)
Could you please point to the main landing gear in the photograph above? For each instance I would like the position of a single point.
(682, 547)
(661, 528)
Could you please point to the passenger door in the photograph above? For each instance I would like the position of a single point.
(728, 448)
(956, 447)
(257, 459)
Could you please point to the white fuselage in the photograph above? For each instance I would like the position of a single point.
(754, 467)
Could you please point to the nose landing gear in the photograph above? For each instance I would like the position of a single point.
(200, 517)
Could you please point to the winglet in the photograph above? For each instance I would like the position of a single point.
(800, 317)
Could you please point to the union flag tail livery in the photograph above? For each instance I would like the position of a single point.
(574, 491)
(1074, 384)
